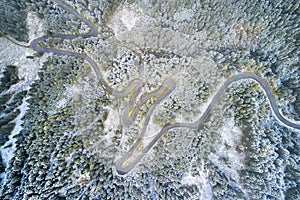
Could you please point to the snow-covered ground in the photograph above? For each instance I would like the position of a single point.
(36, 26)
(227, 148)
(28, 67)
(201, 181)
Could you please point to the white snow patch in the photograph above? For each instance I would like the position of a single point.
(8, 152)
(226, 148)
(129, 18)
(66, 97)
(123, 141)
(151, 131)
(124, 21)
(184, 15)
(201, 181)
(189, 180)
(35, 26)
(230, 133)
(112, 122)
(227, 157)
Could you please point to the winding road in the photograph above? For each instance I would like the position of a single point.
(130, 159)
